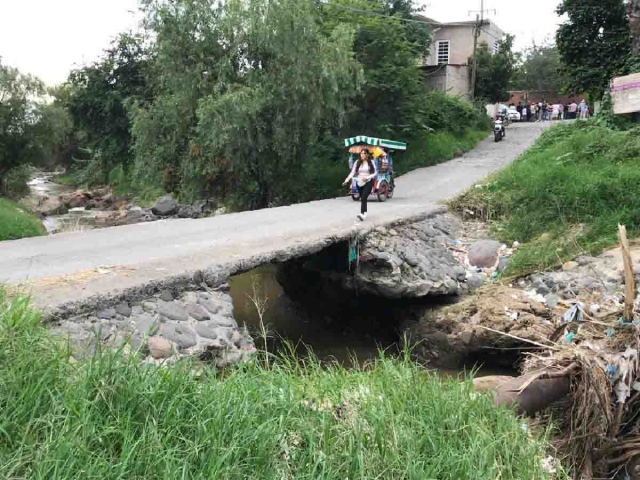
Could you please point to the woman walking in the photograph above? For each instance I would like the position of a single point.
(364, 170)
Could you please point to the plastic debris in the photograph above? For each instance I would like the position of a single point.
(568, 338)
(495, 275)
(610, 332)
(575, 313)
(516, 244)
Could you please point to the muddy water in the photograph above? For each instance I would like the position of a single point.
(346, 339)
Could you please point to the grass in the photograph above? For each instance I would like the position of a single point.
(564, 196)
(16, 222)
(114, 418)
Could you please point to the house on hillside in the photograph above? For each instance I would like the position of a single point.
(446, 65)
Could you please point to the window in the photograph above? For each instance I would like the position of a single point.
(442, 51)
(496, 47)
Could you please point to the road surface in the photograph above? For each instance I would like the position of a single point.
(77, 266)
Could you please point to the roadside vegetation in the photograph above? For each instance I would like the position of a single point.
(17, 223)
(113, 417)
(564, 196)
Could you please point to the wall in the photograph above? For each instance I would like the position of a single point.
(531, 96)
(461, 38)
(451, 79)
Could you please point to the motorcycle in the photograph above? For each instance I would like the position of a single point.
(499, 131)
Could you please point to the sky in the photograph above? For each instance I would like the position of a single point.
(48, 38)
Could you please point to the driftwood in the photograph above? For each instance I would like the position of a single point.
(629, 278)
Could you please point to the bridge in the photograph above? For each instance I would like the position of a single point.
(67, 271)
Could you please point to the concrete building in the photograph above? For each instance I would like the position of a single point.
(446, 65)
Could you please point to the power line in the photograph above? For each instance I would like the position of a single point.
(375, 14)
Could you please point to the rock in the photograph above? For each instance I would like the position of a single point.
(107, 313)
(167, 296)
(543, 289)
(583, 260)
(76, 199)
(467, 337)
(51, 206)
(197, 312)
(189, 211)
(484, 253)
(173, 311)
(179, 333)
(209, 304)
(224, 321)
(411, 259)
(569, 266)
(146, 324)
(229, 357)
(220, 211)
(460, 273)
(503, 263)
(210, 330)
(150, 307)
(476, 280)
(587, 283)
(552, 300)
(124, 309)
(160, 348)
(165, 206)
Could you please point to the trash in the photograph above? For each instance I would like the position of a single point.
(568, 338)
(495, 275)
(515, 315)
(575, 313)
(610, 332)
(515, 245)
(594, 309)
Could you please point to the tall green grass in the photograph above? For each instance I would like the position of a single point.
(564, 196)
(114, 418)
(17, 223)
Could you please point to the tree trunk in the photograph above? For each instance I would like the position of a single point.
(634, 23)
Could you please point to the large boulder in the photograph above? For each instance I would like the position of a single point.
(165, 206)
(484, 253)
(51, 206)
(76, 199)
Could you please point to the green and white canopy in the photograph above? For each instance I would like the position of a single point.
(375, 142)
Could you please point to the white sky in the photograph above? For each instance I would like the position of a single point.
(48, 38)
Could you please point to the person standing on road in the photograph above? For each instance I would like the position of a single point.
(573, 110)
(582, 108)
(364, 171)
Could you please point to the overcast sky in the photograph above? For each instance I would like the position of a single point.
(48, 38)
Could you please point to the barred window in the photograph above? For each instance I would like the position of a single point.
(442, 49)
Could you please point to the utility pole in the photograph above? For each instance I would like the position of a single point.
(476, 36)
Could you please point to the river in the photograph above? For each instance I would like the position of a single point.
(42, 185)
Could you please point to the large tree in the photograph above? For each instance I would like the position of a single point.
(594, 43)
(495, 71)
(634, 24)
(96, 97)
(30, 127)
(540, 70)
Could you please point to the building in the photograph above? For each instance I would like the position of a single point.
(446, 65)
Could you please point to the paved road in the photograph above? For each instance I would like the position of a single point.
(79, 265)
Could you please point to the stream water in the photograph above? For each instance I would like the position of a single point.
(76, 219)
(347, 339)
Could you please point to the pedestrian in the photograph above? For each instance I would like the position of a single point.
(560, 111)
(573, 110)
(555, 111)
(524, 114)
(542, 108)
(582, 108)
(364, 171)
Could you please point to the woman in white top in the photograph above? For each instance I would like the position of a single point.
(364, 170)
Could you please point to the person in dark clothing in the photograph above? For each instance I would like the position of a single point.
(364, 171)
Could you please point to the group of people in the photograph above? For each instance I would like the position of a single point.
(543, 111)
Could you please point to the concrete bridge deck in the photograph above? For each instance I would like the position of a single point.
(94, 266)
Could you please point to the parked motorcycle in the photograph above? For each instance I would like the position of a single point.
(499, 130)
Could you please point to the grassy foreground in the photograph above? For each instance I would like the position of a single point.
(564, 196)
(16, 223)
(114, 418)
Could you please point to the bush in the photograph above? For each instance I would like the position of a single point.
(16, 223)
(112, 417)
(566, 195)
(15, 184)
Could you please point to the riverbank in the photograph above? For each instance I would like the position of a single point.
(112, 417)
(16, 222)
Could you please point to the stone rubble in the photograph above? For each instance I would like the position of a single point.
(163, 329)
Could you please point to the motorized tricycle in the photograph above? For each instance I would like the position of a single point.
(381, 149)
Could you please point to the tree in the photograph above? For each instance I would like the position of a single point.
(297, 83)
(634, 25)
(495, 71)
(96, 98)
(594, 43)
(540, 70)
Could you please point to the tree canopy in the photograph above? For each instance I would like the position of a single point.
(495, 71)
(541, 70)
(594, 43)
